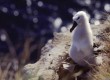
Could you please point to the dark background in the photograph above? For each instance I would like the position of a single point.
(34, 21)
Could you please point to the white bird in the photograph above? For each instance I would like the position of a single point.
(81, 50)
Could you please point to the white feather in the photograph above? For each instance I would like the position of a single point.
(81, 50)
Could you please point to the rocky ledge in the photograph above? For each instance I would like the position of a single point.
(55, 54)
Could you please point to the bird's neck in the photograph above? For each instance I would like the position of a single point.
(83, 23)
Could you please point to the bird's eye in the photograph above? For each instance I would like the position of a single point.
(78, 18)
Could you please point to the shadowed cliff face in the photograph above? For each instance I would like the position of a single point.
(55, 55)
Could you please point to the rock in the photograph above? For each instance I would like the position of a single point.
(56, 50)
(53, 53)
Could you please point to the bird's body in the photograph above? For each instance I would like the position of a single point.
(81, 50)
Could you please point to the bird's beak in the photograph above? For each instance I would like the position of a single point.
(74, 25)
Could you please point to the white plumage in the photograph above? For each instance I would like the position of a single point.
(81, 50)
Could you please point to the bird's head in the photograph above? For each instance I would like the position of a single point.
(78, 19)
